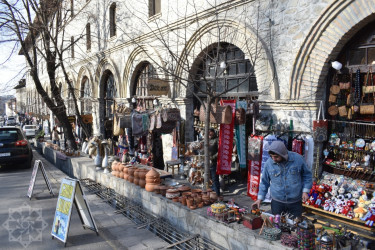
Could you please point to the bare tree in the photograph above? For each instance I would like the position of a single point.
(37, 28)
(201, 76)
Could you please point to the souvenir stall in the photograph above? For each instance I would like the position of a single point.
(344, 193)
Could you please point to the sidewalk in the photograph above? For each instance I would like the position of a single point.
(117, 231)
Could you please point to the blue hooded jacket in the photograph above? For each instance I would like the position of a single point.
(286, 180)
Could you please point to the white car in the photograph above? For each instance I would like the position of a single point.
(30, 130)
(10, 121)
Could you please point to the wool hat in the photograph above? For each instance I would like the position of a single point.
(278, 147)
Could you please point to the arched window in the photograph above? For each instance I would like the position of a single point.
(88, 36)
(112, 20)
(147, 72)
(86, 106)
(226, 69)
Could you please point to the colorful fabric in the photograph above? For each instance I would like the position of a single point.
(255, 145)
(224, 161)
(241, 137)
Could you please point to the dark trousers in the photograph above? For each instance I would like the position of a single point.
(294, 209)
(215, 179)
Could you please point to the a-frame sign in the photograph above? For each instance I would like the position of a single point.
(38, 164)
(71, 192)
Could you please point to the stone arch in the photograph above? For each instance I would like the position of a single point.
(136, 60)
(104, 65)
(245, 39)
(83, 72)
(339, 22)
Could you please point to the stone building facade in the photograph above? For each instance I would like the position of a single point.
(290, 44)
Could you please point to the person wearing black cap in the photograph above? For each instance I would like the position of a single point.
(289, 180)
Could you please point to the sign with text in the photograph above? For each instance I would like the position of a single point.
(38, 164)
(71, 192)
(63, 211)
(157, 87)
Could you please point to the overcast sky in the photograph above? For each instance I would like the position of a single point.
(11, 70)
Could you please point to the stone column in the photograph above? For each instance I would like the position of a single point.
(95, 118)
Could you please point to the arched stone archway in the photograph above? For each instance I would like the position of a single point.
(245, 39)
(338, 23)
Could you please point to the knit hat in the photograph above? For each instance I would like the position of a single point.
(278, 147)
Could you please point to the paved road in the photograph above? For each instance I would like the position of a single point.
(26, 223)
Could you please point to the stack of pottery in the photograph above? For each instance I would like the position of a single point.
(152, 180)
(172, 193)
(142, 177)
(163, 190)
(183, 189)
(114, 165)
(131, 171)
(136, 178)
(120, 168)
(125, 171)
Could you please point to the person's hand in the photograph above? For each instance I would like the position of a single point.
(305, 197)
(256, 205)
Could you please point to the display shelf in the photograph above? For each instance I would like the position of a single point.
(355, 173)
(357, 223)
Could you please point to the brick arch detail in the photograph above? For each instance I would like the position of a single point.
(339, 22)
(106, 64)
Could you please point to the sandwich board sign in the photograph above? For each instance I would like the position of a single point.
(70, 192)
(38, 164)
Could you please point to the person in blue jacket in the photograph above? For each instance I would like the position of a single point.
(289, 180)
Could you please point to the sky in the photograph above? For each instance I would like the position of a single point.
(11, 70)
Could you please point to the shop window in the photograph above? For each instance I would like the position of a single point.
(88, 37)
(147, 72)
(112, 20)
(86, 105)
(154, 7)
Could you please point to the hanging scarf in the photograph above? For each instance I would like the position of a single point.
(297, 146)
(255, 156)
(241, 137)
(224, 157)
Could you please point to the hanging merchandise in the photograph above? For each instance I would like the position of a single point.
(170, 114)
(241, 107)
(309, 151)
(255, 144)
(224, 158)
(320, 126)
(357, 91)
(367, 108)
(297, 146)
(140, 123)
(219, 114)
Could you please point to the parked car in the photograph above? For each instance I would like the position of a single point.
(30, 130)
(15, 150)
(11, 121)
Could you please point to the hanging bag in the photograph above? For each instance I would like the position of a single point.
(320, 126)
(170, 114)
(367, 109)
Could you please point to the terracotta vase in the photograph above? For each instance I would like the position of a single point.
(152, 174)
(150, 187)
(131, 178)
(142, 183)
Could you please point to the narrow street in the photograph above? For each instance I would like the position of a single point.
(26, 223)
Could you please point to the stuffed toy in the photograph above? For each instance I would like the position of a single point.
(360, 210)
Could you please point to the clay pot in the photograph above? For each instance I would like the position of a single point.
(186, 194)
(131, 178)
(136, 173)
(183, 200)
(126, 176)
(163, 190)
(150, 187)
(172, 193)
(175, 199)
(205, 197)
(156, 189)
(142, 174)
(192, 207)
(142, 183)
(136, 181)
(198, 200)
(198, 191)
(131, 171)
(152, 174)
(125, 170)
(121, 175)
(184, 188)
(200, 205)
(120, 167)
(189, 202)
(114, 166)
